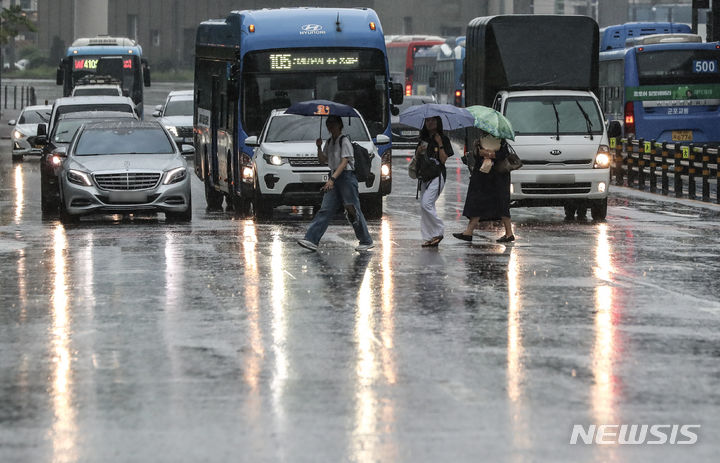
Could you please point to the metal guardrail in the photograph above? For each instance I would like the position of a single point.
(27, 96)
(666, 168)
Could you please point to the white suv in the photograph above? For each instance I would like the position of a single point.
(288, 172)
(561, 137)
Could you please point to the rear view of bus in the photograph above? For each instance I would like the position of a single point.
(401, 50)
(664, 87)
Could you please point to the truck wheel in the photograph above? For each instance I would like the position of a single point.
(372, 207)
(599, 209)
(213, 198)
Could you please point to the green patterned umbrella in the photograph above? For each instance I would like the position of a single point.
(492, 122)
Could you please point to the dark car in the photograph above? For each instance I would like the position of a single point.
(61, 135)
(405, 136)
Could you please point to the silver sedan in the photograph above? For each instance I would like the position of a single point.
(121, 167)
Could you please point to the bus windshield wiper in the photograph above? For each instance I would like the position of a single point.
(588, 123)
(557, 122)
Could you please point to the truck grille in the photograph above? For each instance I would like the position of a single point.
(184, 132)
(555, 188)
(304, 162)
(127, 181)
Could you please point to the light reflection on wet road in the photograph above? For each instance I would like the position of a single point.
(136, 340)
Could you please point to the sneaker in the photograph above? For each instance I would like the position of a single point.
(365, 247)
(307, 244)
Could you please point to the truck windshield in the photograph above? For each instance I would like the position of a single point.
(308, 128)
(537, 115)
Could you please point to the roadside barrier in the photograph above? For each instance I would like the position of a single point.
(678, 168)
(27, 96)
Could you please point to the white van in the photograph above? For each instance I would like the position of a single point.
(287, 170)
(561, 138)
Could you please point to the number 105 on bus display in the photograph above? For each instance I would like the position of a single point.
(705, 66)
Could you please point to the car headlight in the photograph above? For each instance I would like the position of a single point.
(602, 158)
(173, 130)
(274, 159)
(175, 175)
(78, 177)
(18, 135)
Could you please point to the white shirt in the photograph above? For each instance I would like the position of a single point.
(335, 151)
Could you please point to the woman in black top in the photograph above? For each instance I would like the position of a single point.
(438, 148)
(488, 196)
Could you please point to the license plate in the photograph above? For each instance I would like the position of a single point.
(128, 197)
(409, 133)
(682, 135)
(314, 178)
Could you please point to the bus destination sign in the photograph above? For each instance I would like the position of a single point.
(308, 61)
(81, 64)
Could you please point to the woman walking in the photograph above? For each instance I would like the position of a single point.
(436, 145)
(488, 196)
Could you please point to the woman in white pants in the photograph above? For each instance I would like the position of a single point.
(437, 146)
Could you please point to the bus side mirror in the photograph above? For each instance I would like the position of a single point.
(614, 129)
(146, 72)
(397, 93)
(59, 75)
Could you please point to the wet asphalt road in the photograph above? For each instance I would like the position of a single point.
(222, 340)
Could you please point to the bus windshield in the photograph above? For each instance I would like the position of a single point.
(292, 127)
(124, 69)
(274, 80)
(552, 115)
(669, 67)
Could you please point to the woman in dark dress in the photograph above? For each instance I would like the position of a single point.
(488, 196)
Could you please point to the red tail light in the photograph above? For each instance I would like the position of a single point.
(629, 118)
(408, 89)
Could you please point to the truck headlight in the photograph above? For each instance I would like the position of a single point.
(173, 130)
(602, 158)
(78, 177)
(175, 175)
(274, 159)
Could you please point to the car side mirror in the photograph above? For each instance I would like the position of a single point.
(382, 139)
(187, 150)
(158, 107)
(614, 129)
(394, 110)
(252, 141)
(156, 114)
(41, 130)
(11, 122)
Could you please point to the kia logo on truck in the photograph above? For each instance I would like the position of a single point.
(556, 152)
(311, 29)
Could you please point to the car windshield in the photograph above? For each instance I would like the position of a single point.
(309, 128)
(178, 107)
(123, 140)
(96, 91)
(33, 117)
(554, 115)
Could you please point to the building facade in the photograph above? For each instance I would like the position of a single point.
(166, 28)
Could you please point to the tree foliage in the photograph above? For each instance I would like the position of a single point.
(13, 20)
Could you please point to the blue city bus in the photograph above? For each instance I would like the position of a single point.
(614, 37)
(255, 61)
(105, 59)
(667, 92)
(450, 86)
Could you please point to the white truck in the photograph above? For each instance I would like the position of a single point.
(540, 71)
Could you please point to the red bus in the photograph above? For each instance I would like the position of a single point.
(401, 50)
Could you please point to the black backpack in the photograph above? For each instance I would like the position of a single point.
(363, 161)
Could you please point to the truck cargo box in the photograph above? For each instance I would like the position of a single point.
(530, 52)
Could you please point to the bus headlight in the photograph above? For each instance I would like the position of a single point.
(173, 130)
(274, 159)
(385, 170)
(248, 174)
(602, 158)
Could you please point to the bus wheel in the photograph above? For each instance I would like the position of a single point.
(241, 205)
(372, 207)
(599, 209)
(213, 198)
